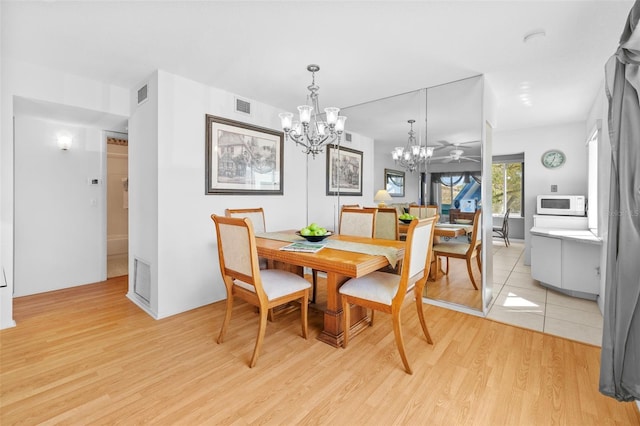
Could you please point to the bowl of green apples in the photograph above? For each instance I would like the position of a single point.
(313, 233)
(406, 218)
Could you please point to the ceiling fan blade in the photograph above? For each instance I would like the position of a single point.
(470, 159)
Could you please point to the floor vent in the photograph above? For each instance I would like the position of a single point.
(142, 279)
(243, 106)
(142, 94)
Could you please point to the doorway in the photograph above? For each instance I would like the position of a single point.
(117, 204)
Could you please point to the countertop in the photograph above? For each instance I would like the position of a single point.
(579, 235)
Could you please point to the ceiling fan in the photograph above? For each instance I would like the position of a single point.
(446, 144)
(456, 154)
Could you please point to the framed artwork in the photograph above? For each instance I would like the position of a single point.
(344, 171)
(394, 182)
(242, 159)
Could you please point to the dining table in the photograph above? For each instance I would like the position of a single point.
(343, 257)
(449, 230)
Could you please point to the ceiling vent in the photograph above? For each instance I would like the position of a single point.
(347, 137)
(243, 106)
(142, 94)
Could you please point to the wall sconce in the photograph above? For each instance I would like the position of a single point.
(381, 196)
(64, 142)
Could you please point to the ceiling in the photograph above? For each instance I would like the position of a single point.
(366, 50)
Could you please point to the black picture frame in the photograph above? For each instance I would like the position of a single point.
(242, 159)
(394, 182)
(344, 171)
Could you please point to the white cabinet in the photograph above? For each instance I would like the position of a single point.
(567, 265)
(581, 267)
(546, 260)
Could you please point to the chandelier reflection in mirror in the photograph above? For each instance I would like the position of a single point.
(412, 155)
(310, 132)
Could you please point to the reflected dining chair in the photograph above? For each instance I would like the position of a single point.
(503, 231)
(243, 278)
(358, 222)
(423, 211)
(465, 251)
(386, 292)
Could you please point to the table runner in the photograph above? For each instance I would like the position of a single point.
(389, 252)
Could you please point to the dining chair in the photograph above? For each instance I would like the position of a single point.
(465, 251)
(256, 215)
(387, 224)
(386, 292)
(503, 231)
(350, 206)
(243, 278)
(423, 211)
(358, 222)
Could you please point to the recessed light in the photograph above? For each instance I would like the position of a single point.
(533, 35)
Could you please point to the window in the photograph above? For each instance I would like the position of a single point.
(592, 194)
(508, 184)
(450, 187)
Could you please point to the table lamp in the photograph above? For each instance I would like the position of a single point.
(381, 196)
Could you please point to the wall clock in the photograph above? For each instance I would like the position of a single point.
(553, 158)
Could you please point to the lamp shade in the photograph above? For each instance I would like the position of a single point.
(381, 196)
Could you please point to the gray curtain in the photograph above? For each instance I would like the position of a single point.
(620, 358)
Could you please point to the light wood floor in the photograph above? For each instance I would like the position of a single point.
(87, 355)
(456, 287)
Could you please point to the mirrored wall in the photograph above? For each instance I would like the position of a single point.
(448, 121)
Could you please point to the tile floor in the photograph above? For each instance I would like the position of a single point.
(520, 300)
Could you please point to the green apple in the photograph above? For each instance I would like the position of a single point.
(306, 232)
(318, 232)
(314, 226)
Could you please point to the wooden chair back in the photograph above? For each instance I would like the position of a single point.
(358, 222)
(387, 224)
(238, 254)
(256, 215)
(422, 212)
(418, 254)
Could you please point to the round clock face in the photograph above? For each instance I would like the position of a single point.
(553, 158)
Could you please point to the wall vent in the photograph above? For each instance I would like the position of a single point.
(142, 94)
(142, 279)
(347, 137)
(4, 279)
(243, 106)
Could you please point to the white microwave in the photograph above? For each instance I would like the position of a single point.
(562, 205)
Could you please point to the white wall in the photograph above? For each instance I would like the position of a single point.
(170, 220)
(143, 189)
(571, 178)
(60, 238)
(33, 82)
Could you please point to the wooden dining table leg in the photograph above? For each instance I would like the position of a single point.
(332, 332)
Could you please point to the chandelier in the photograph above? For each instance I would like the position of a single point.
(310, 132)
(412, 155)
